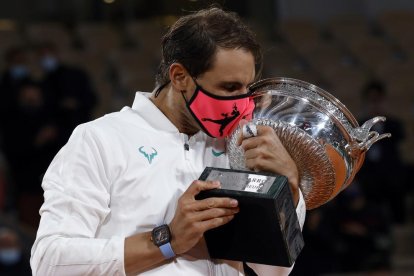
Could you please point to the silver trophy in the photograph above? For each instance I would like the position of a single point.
(318, 131)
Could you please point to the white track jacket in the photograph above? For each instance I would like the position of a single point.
(120, 175)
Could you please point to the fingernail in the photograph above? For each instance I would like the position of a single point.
(216, 184)
(233, 203)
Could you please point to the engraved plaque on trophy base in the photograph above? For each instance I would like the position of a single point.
(266, 230)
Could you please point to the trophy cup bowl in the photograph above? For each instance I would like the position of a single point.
(319, 132)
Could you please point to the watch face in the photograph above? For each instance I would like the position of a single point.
(161, 235)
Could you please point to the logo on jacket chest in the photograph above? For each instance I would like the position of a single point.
(148, 152)
(217, 153)
(218, 148)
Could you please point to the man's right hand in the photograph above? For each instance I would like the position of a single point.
(193, 217)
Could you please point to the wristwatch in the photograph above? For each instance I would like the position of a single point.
(161, 237)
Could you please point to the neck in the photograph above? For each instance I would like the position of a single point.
(173, 106)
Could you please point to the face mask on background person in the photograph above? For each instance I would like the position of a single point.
(49, 63)
(18, 72)
(10, 256)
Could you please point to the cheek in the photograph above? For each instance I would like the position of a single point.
(187, 120)
(189, 91)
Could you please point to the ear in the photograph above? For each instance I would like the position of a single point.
(179, 76)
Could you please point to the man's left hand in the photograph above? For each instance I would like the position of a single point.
(266, 153)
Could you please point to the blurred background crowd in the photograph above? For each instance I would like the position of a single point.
(63, 63)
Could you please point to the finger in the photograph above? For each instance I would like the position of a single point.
(249, 130)
(257, 164)
(259, 158)
(266, 137)
(215, 213)
(215, 222)
(197, 186)
(255, 153)
(251, 143)
(215, 202)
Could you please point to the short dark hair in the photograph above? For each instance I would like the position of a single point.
(193, 41)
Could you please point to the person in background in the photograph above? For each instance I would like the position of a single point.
(31, 140)
(383, 178)
(68, 89)
(16, 72)
(13, 261)
(319, 256)
(120, 195)
(364, 233)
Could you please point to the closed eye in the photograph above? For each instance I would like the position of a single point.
(232, 87)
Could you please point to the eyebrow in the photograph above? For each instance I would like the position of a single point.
(230, 83)
(235, 83)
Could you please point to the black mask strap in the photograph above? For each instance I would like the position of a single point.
(159, 88)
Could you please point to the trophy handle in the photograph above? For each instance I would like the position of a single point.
(365, 138)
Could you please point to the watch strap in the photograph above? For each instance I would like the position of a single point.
(167, 250)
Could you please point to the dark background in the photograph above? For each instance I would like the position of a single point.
(110, 49)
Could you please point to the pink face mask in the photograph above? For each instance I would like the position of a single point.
(219, 115)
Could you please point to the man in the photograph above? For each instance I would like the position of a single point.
(13, 261)
(68, 89)
(16, 72)
(126, 181)
(31, 140)
(383, 178)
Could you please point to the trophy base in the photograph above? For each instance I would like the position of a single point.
(266, 230)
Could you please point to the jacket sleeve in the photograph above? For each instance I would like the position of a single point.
(76, 205)
(265, 270)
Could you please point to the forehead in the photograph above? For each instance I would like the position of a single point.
(232, 65)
